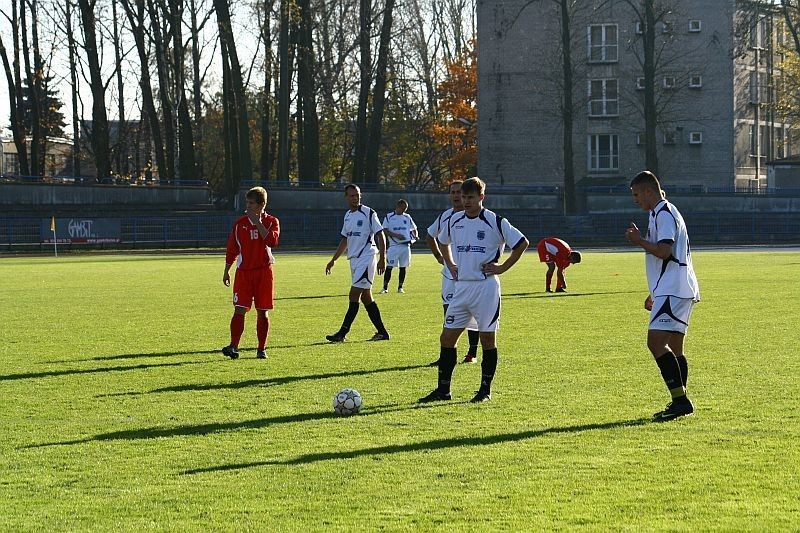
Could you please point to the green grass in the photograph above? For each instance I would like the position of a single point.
(118, 413)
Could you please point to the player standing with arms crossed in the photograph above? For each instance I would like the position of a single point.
(401, 231)
(250, 245)
(477, 238)
(673, 288)
(448, 285)
(362, 238)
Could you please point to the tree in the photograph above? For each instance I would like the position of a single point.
(52, 119)
(14, 83)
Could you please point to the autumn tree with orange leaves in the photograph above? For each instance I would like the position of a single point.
(455, 131)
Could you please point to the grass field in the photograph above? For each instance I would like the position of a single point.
(117, 411)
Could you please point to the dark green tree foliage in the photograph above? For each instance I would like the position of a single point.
(52, 119)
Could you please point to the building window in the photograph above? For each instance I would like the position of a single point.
(640, 83)
(669, 82)
(670, 137)
(603, 152)
(759, 88)
(603, 43)
(696, 137)
(603, 98)
(638, 28)
(641, 139)
(780, 149)
(695, 81)
(695, 26)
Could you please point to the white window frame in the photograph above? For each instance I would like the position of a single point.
(695, 81)
(607, 107)
(641, 139)
(670, 138)
(606, 49)
(638, 28)
(595, 157)
(695, 137)
(669, 82)
(640, 83)
(695, 26)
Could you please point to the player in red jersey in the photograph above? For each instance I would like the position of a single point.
(250, 245)
(557, 253)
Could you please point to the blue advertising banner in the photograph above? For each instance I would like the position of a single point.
(81, 230)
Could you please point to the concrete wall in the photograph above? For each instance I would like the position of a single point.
(705, 203)
(20, 194)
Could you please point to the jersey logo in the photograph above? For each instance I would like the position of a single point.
(471, 249)
(450, 319)
(359, 223)
(481, 235)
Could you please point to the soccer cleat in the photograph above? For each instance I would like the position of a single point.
(230, 351)
(336, 337)
(547, 290)
(380, 337)
(562, 289)
(678, 408)
(481, 396)
(384, 291)
(470, 358)
(435, 396)
(400, 290)
(261, 354)
(435, 363)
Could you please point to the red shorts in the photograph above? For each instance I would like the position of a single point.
(254, 285)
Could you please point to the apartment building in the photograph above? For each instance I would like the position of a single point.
(715, 67)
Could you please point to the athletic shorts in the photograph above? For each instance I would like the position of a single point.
(671, 313)
(362, 270)
(398, 256)
(254, 285)
(448, 288)
(477, 301)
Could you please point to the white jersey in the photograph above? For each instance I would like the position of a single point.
(477, 241)
(673, 276)
(358, 228)
(402, 224)
(436, 228)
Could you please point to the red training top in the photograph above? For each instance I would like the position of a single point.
(553, 250)
(253, 250)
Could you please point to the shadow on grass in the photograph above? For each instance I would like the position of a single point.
(431, 445)
(563, 294)
(267, 382)
(312, 297)
(205, 429)
(139, 356)
(71, 372)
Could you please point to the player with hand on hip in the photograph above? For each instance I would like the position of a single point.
(401, 233)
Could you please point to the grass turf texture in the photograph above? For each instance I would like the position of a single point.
(118, 411)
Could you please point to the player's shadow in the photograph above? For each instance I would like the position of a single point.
(140, 356)
(267, 382)
(314, 297)
(77, 371)
(562, 294)
(431, 445)
(210, 428)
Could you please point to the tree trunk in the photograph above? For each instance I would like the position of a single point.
(360, 141)
(283, 92)
(99, 133)
(266, 133)
(230, 132)
(73, 78)
(567, 110)
(196, 91)
(17, 122)
(164, 94)
(121, 161)
(33, 75)
(186, 152)
(379, 96)
(650, 114)
(308, 163)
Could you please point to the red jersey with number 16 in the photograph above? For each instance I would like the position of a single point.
(248, 248)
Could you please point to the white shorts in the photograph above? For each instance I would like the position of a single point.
(448, 289)
(398, 256)
(670, 313)
(477, 301)
(363, 270)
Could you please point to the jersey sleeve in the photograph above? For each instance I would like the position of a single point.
(374, 223)
(444, 234)
(436, 227)
(273, 231)
(232, 249)
(343, 231)
(386, 222)
(513, 236)
(666, 227)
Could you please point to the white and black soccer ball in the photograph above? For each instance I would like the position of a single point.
(347, 402)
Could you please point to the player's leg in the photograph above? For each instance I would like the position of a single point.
(561, 283)
(236, 330)
(374, 313)
(387, 277)
(676, 345)
(448, 357)
(403, 262)
(243, 292)
(401, 279)
(262, 332)
(551, 267)
(264, 297)
(349, 316)
(486, 309)
(669, 317)
(472, 352)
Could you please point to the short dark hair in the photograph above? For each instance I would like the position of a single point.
(351, 186)
(473, 185)
(259, 194)
(647, 179)
(575, 257)
(402, 202)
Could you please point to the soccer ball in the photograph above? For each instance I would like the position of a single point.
(347, 402)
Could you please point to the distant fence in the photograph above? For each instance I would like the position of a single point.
(321, 229)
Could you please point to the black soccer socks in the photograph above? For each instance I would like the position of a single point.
(352, 311)
(375, 317)
(474, 339)
(684, 366)
(447, 362)
(488, 368)
(671, 373)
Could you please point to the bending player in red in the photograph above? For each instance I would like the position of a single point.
(557, 253)
(250, 245)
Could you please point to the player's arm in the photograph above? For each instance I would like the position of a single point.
(433, 244)
(339, 251)
(273, 231)
(231, 252)
(513, 257)
(661, 249)
(447, 260)
(380, 242)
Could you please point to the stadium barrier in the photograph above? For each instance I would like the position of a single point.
(320, 230)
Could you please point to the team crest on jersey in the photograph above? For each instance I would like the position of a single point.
(359, 223)
(481, 235)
